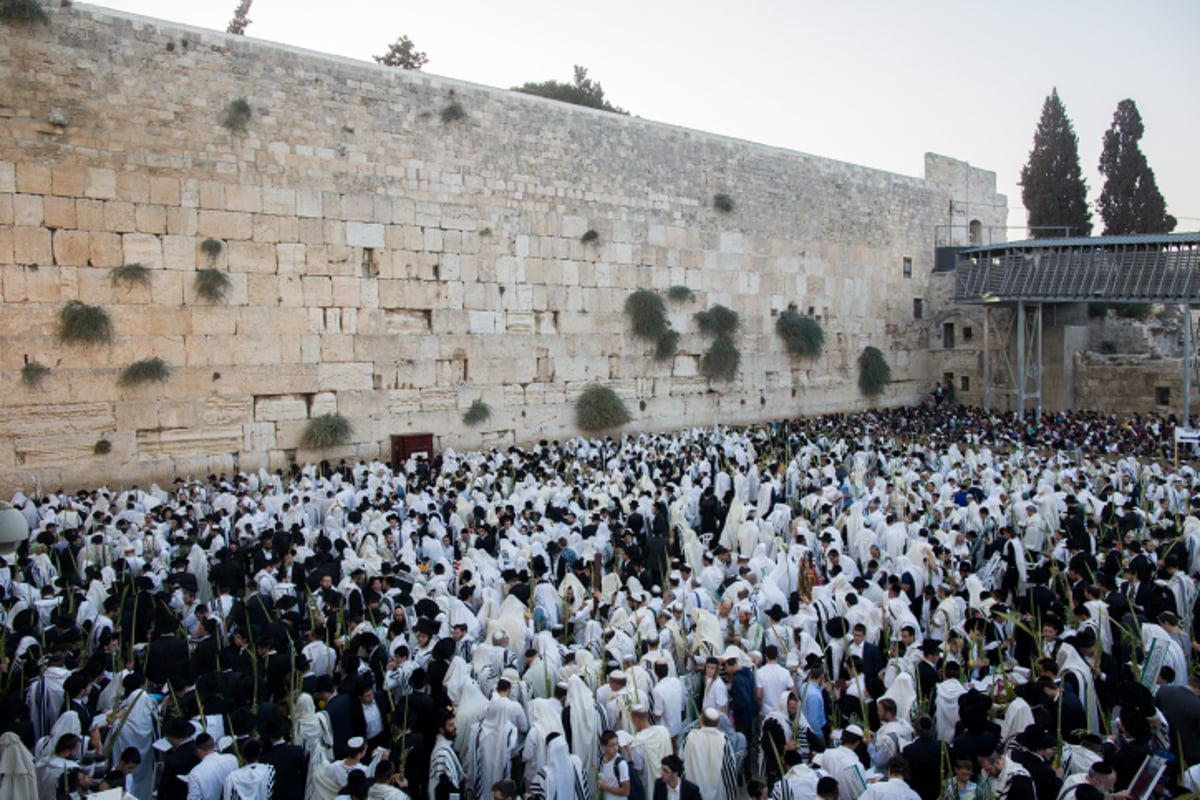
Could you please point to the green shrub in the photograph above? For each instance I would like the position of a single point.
(590, 236)
(33, 373)
(78, 322)
(680, 294)
(721, 361)
(666, 345)
(478, 412)
(129, 274)
(1108, 348)
(647, 314)
(327, 430)
(148, 370)
(722, 202)
(599, 408)
(23, 11)
(102, 447)
(211, 248)
(1138, 311)
(236, 116)
(802, 335)
(874, 374)
(718, 321)
(212, 284)
(454, 112)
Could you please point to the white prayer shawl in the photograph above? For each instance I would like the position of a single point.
(799, 783)
(469, 702)
(251, 782)
(18, 774)
(444, 762)
(1070, 662)
(491, 746)
(311, 729)
(544, 719)
(561, 778)
(1175, 658)
(903, 692)
(655, 744)
(585, 724)
(708, 762)
(948, 692)
(137, 728)
(1017, 718)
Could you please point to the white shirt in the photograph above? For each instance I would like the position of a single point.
(207, 779)
(893, 789)
(774, 680)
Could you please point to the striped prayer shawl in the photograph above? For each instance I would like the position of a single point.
(444, 763)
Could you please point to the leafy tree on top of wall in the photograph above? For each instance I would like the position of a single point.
(240, 20)
(1052, 185)
(404, 54)
(582, 92)
(1130, 201)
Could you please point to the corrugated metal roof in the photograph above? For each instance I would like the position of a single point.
(1094, 241)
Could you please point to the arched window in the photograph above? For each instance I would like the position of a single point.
(976, 233)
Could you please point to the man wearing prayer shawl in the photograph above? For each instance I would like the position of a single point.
(446, 775)
(1071, 666)
(561, 777)
(490, 747)
(134, 725)
(651, 743)
(1008, 778)
(708, 759)
(799, 782)
(946, 702)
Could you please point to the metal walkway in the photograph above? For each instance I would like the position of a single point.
(1147, 268)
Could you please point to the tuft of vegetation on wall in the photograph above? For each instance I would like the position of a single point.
(147, 370)
(722, 202)
(236, 116)
(327, 430)
(19, 11)
(211, 248)
(718, 321)
(84, 324)
(32, 374)
(680, 294)
(874, 374)
(212, 284)
(479, 412)
(599, 408)
(648, 320)
(590, 237)
(722, 360)
(802, 334)
(102, 447)
(453, 112)
(129, 274)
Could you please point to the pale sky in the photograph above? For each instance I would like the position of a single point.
(870, 82)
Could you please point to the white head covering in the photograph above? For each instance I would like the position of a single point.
(18, 777)
(585, 723)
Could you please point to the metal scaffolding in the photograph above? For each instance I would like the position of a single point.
(1024, 276)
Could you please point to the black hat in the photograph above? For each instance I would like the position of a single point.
(931, 646)
(1035, 737)
(776, 612)
(178, 728)
(427, 626)
(427, 608)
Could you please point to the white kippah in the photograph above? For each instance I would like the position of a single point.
(356, 742)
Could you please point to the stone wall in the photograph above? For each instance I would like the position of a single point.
(393, 264)
(1129, 384)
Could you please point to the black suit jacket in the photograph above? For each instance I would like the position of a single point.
(291, 770)
(687, 790)
(177, 762)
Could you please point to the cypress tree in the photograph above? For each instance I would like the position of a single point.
(1130, 201)
(1052, 185)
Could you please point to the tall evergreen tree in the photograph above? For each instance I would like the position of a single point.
(1052, 185)
(1130, 201)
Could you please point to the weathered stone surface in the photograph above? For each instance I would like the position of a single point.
(191, 442)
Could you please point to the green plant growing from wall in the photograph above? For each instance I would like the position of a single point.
(326, 430)
(212, 249)
(129, 274)
(236, 116)
(874, 374)
(102, 447)
(33, 373)
(19, 11)
(478, 413)
(722, 202)
(721, 361)
(802, 334)
(680, 294)
(212, 284)
(453, 112)
(84, 324)
(590, 237)
(648, 320)
(599, 408)
(147, 370)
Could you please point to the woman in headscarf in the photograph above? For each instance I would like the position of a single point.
(544, 720)
(490, 748)
(562, 776)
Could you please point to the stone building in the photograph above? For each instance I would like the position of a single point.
(399, 245)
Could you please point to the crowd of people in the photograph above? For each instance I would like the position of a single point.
(934, 602)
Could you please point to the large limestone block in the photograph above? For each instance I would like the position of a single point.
(228, 225)
(142, 248)
(32, 246)
(221, 411)
(258, 436)
(439, 399)
(191, 441)
(337, 377)
(57, 419)
(273, 408)
(256, 257)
